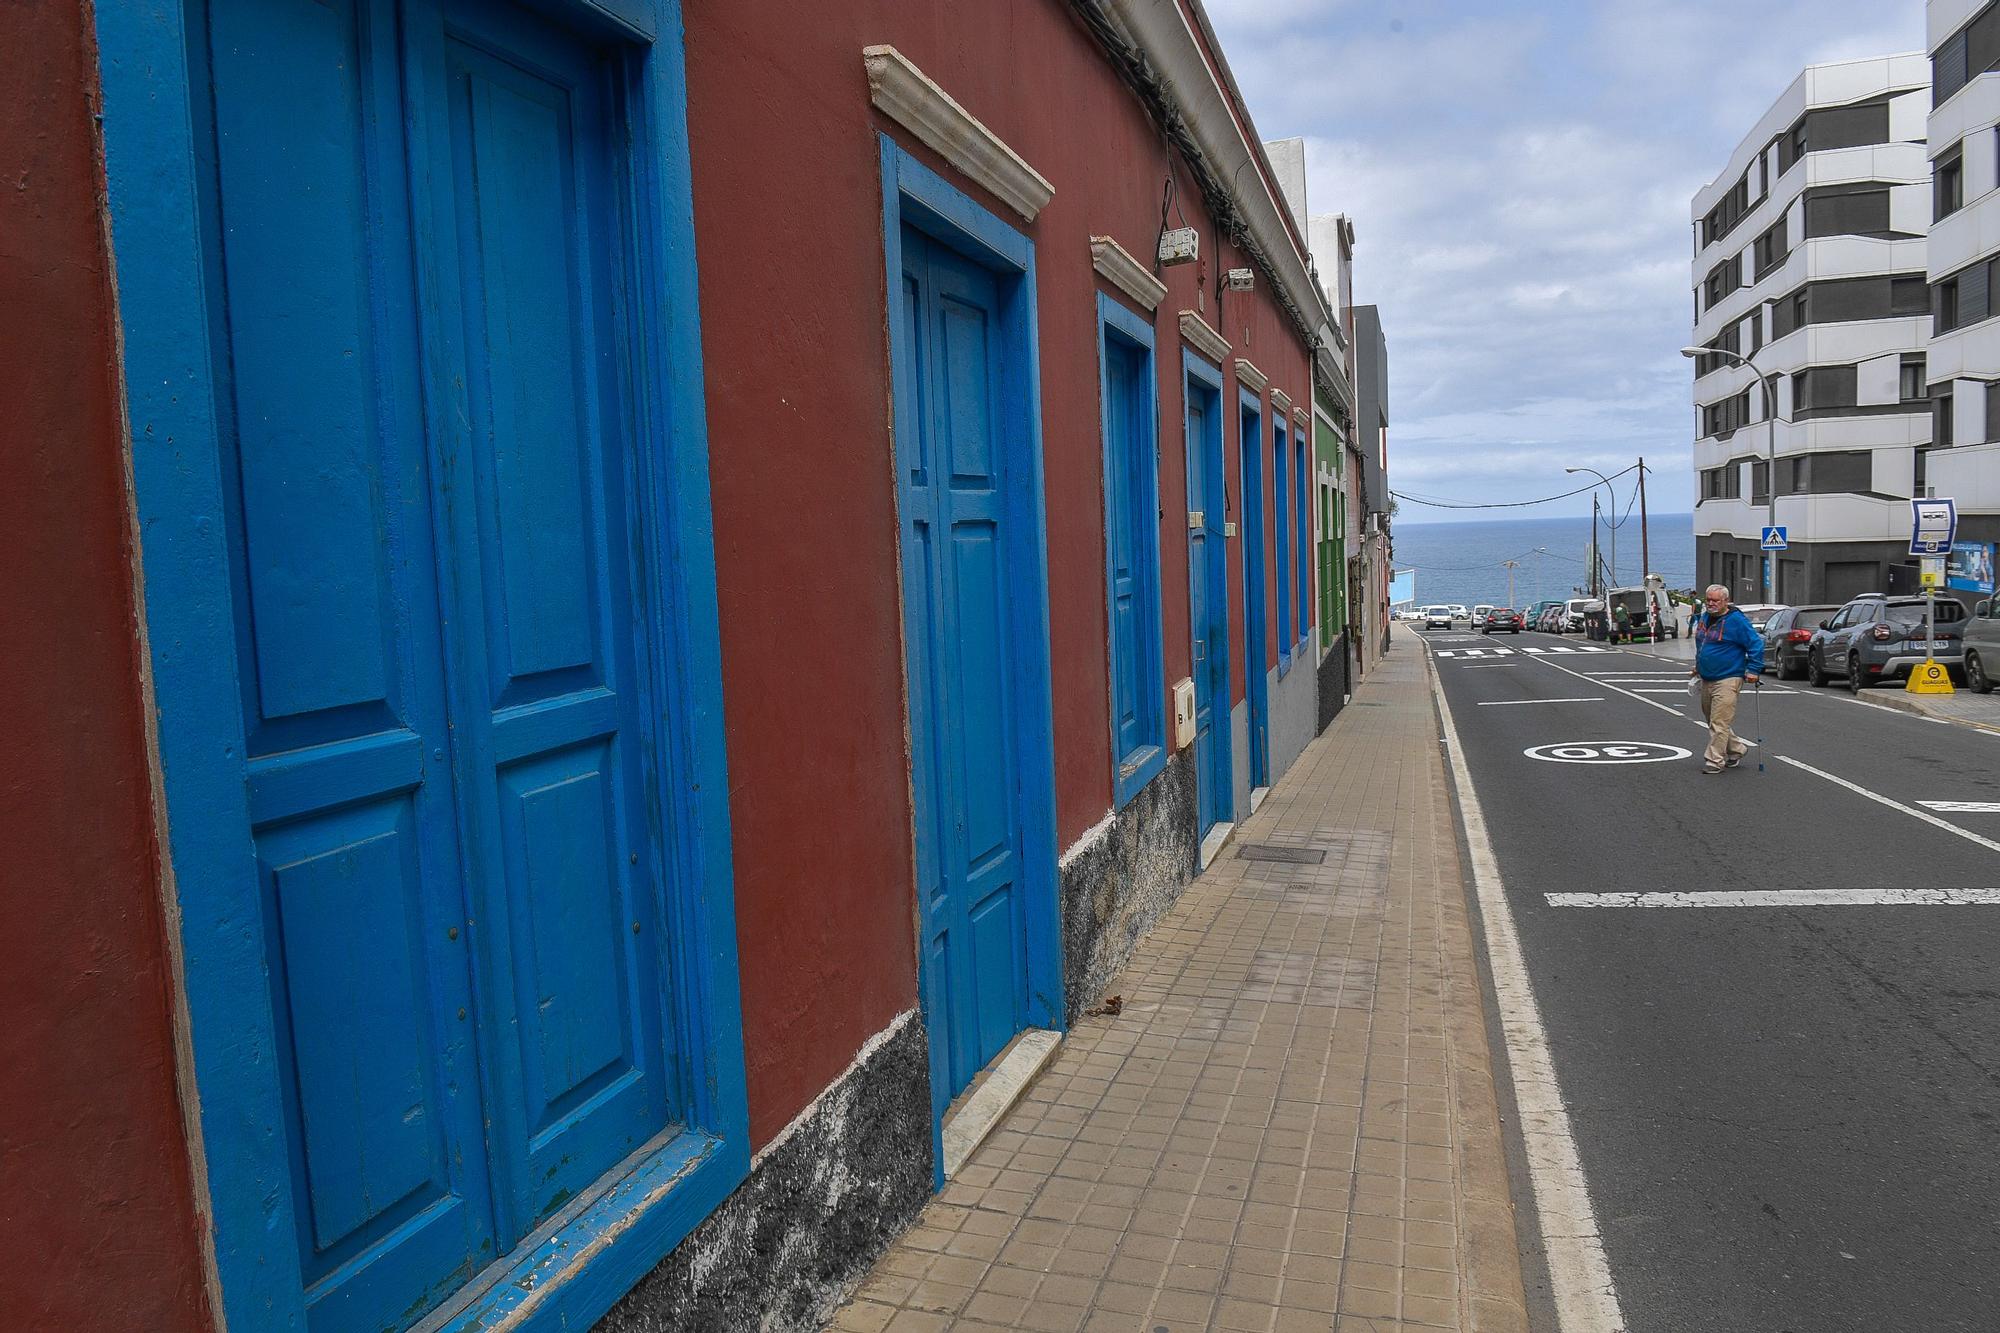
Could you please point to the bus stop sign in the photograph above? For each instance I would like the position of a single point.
(1933, 523)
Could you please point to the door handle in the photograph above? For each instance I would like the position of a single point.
(1200, 650)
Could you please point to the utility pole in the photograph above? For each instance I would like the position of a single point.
(1592, 580)
(1512, 565)
(1645, 544)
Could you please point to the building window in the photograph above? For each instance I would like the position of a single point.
(1760, 482)
(1132, 546)
(1756, 330)
(1910, 383)
(1941, 422)
(1948, 184)
(1302, 503)
(1281, 523)
(1944, 314)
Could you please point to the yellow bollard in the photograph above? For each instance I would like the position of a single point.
(1929, 678)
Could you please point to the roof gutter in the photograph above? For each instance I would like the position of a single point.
(1165, 61)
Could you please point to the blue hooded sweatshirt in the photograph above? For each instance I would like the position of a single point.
(1728, 646)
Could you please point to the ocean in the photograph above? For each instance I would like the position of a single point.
(1461, 562)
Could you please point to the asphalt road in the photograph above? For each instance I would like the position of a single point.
(1788, 1117)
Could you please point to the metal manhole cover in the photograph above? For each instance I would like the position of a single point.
(1264, 851)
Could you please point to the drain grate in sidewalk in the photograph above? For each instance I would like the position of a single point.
(1265, 851)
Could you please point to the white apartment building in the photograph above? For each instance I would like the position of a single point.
(1964, 368)
(1809, 262)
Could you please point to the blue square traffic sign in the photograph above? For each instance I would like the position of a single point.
(1774, 539)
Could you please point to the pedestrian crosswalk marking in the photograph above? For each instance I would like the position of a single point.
(1963, 807)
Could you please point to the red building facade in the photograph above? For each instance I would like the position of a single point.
(826, 200)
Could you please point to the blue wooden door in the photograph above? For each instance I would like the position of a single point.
(953, 459)
(424, 439)
(1255, 684)
(1208, 605)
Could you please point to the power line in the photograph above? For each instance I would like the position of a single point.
(1503, 504)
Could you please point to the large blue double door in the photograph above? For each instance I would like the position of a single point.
(955, 466)
(425, 421)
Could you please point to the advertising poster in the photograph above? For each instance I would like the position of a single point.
(1969, 567)
(1403, 587)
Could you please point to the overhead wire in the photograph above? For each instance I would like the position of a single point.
(1508, 504)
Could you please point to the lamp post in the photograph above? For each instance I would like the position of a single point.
(1611, 514)
(1767, 563)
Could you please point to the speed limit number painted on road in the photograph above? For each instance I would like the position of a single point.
(1606, 752)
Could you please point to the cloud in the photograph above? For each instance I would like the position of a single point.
(1519, 178)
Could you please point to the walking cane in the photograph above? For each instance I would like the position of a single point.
(1757, 693)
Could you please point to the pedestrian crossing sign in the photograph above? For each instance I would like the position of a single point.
(1774, 539)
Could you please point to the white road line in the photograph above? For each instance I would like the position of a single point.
(1651, 703)
(1879, 798)
(1786, 898)
(1505, 703)
(1579, 1275)
(1963, 807)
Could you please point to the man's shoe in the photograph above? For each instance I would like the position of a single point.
(1711, 768)
(1732, 761)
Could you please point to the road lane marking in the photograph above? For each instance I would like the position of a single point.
(1580, 1285)
(1786, 898)
(1504, 703)
(1963, 807)
(1893, 804)
(1651, 703)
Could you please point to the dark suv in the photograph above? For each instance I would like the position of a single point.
(1786, 635)
(1876, 638)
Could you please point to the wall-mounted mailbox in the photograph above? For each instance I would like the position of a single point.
(1183, 713)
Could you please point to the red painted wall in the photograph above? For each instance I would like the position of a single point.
(788, 214)
(97, 1224)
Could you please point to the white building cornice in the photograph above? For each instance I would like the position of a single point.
(1203, 338)
(902, 93)
(1250, 377)
(1117, 266)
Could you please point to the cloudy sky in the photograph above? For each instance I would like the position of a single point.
(1519, 175)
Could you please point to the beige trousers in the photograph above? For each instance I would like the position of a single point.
(1718, 705)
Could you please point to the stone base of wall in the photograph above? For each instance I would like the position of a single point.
(1333, 683)
(1121, 880)
(819, 1207)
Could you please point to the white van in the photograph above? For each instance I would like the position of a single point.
(1574, 611)
(1479, 614)
(1646, 608)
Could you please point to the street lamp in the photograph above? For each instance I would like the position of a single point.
(1613, 511)
(1769, 384)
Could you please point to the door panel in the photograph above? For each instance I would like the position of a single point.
(533, 490)
(352, 833)
(1255, 656)
(963, 707)
(1208, 616)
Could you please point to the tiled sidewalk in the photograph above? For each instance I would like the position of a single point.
(1291, 1126)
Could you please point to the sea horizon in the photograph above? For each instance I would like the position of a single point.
(1463, 561)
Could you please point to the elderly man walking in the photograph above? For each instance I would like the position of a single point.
(1727, 653)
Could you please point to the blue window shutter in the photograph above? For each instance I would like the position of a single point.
(1131, 541)
(1280, 551)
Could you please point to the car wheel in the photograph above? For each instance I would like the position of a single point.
(1976, 678)
(1854, 678)
(1816, 670)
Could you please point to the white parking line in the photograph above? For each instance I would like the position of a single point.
(1963, 807)
(1786, 898)
(1893, 804)
(1503, 703)
(1580, 1283)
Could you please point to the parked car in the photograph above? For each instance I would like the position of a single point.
(1553, 619)
(1533, 617)
(1876, 637)
(1479, 614)
(1786, 636)
(1501, 617)
(1437, 617)
(1759, 613)
(1982, 646)
(1458, 612)
(1575, 609)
